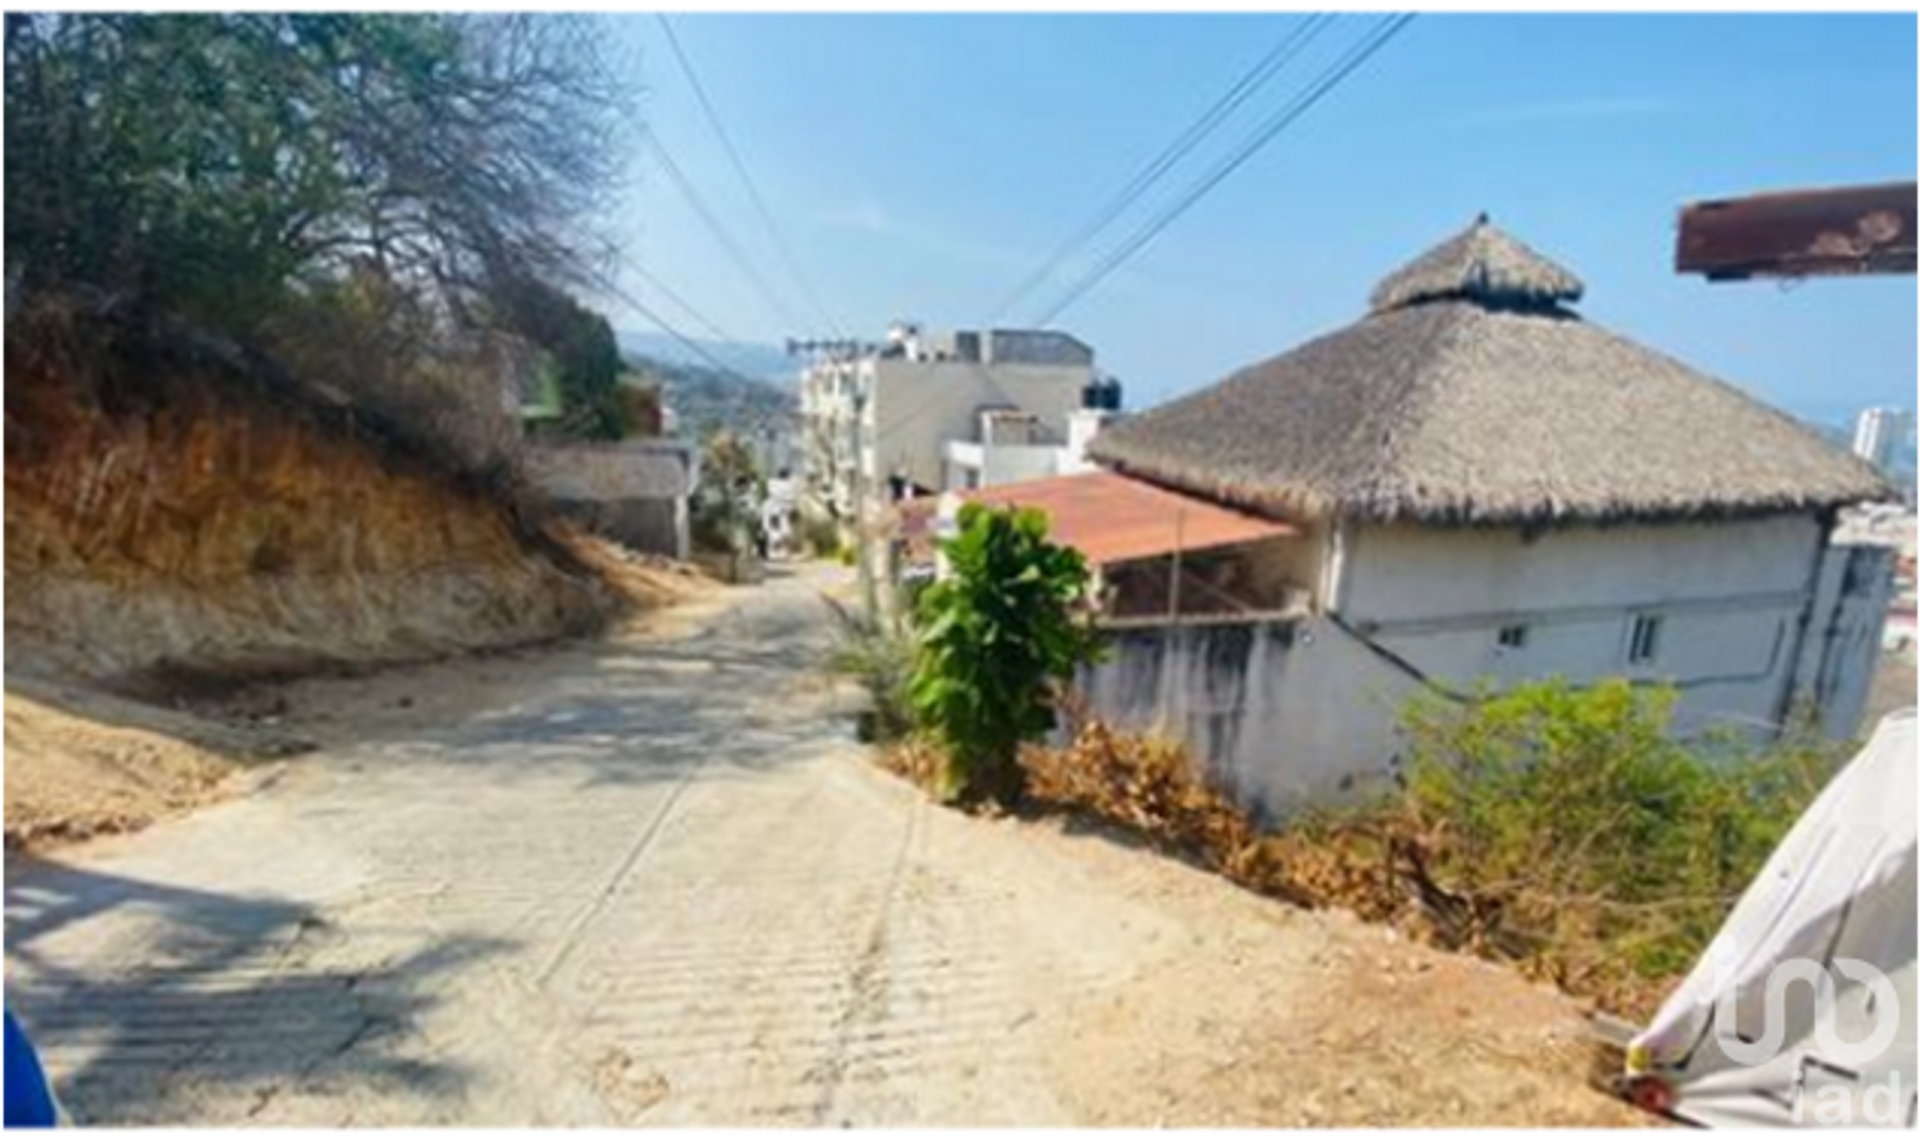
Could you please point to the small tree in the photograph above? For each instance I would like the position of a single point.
(723, 510)
(997, 636)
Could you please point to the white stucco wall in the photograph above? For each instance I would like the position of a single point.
(1406, 572)
(919, 405)
(1313, 717)
(1729, 596)
(990, 465)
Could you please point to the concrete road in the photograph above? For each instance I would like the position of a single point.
(652, 880)
(658, 884)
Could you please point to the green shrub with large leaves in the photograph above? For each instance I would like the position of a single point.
(998, 635)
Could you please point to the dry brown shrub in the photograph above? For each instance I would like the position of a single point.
(1373, 861)
(916, 760)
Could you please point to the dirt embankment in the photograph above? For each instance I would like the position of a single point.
(178, 519)
(167, 512)
(82, 763)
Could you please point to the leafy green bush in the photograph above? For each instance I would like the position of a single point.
(1596, 835)
(996, 637)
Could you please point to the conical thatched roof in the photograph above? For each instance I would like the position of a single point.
(1481, 263)
(1472, 395)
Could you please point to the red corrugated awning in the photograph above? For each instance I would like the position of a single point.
(1112, 519)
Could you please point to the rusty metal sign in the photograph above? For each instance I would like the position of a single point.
(1842, 231)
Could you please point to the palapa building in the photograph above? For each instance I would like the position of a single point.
(1479, 485)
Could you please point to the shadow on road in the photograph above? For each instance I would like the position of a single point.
(236, 995)
(748, 693)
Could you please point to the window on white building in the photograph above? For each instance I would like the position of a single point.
(1512, 637)
(1643, 642)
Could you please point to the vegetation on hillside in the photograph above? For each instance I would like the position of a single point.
(1563, 829)
(367, 200)
(707, 400)
(582, 350)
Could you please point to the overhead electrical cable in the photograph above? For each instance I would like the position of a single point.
(706, 323)
(691, 345)
(740, 168)
(1249, 83)
(1363, 49)
(718, 229)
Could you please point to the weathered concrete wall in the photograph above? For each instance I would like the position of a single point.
(1841, 648)
(1284, 712)
(634, 492)
(164, 514)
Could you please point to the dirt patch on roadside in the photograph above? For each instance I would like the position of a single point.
(1450, 1042)
(643, 582)
(71, 778)
(343, 708)
(1280, 1017)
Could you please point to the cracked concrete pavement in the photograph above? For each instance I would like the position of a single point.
(652, 880)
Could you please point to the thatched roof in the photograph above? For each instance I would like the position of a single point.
(1480, 263)
(1471, 394)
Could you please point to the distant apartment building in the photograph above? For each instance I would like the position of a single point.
(926, 412)
(1877, 433)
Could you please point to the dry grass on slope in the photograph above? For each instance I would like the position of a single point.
(641, 581)
(71, 777)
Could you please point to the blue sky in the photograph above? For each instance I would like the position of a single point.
(922, 165)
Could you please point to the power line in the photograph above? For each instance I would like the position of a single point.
(1266, 133)
(685, 306)
(1196, 132)
(746, 178)
(734, 252)
(711, 327)
(666, 326)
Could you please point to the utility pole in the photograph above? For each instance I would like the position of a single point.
(844, 352)
(862, 540)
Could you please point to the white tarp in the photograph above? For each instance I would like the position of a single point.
(1840, 887)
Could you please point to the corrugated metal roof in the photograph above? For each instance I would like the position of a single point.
(1112, 519)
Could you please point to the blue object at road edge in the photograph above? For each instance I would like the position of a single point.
(29, 1100)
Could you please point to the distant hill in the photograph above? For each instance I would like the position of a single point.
(705, 399)
(760, 361)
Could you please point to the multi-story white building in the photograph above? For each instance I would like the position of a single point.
(1876, 433)
(929, 411)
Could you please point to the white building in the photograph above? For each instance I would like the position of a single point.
(1876, 433)
(1013, 446)
(1478, 487)
(929, 411)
